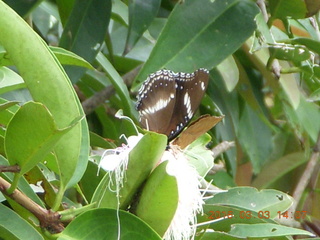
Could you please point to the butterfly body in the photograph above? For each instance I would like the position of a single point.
(167, 101)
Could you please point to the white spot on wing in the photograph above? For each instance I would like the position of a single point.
(187, 104)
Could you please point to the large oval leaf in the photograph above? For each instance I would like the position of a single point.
(108, 224)
(48, 84)
(201, 34)
(159, 199)
(85, 30)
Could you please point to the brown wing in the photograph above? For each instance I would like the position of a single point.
(190, 91)
(156, 101)
(167, 101)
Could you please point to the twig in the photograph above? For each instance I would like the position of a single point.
(222, 147)
(48, 219)
(100, 97)
(14, 168)
(306, 176)
(275, 63)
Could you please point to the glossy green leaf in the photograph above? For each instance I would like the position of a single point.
(85, 31)
(6, 105)
(118, 84)
(211, 32)
(258, 149)
(300, 117)
(65, 8)
(142, 159)
(233, 214)
(219, 235)
(251, 199)
(120, 12)
(229, 103)
(277, 169)
(311, 44)
(9, 80)
(287, 8)
(48, 84)
(141, 14)
(12, 226)
(290, 86)
(264, 230)
(229, 72)
(66, 57)
(159, 198)
(199, 155)
(90, 180)
(290, 53)
(22, 7)
(104, 224)
(31, 135)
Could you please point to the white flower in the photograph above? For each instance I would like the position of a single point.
(183, 225)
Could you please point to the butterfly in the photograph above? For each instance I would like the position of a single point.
(167, 100)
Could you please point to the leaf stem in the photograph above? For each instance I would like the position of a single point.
(69, 214)
(14, 183)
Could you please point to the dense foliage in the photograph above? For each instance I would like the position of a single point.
(67, 67)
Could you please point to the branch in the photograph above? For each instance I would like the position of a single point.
(222, 147)
(48, 219)
(100, 97)
(14, 168)
(306, 175)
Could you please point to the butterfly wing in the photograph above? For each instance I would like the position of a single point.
(167, 101)
(190, 91)
(156, 101)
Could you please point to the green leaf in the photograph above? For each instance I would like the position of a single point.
(12, 226)
(159, 199)
(199, 155)
(141, 14)
(85, 30)
(9, 80)
(258, 149)
(219, 235)
(311, 44)
(251, 199)
(229, 72)
(295, 53)
(300, 117)
(48, 84)
(264, 230)
(69, 58)
(6, 105)
(233, 215)
(108, 224)
(90, 180)
(120, 12)
(229, 103)
(118, 84)
(65, 8)
(23, 8)
(211, 32)
(142, 159)
(31, 135)
(277, 169)
(287, 8)
(290, 86)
